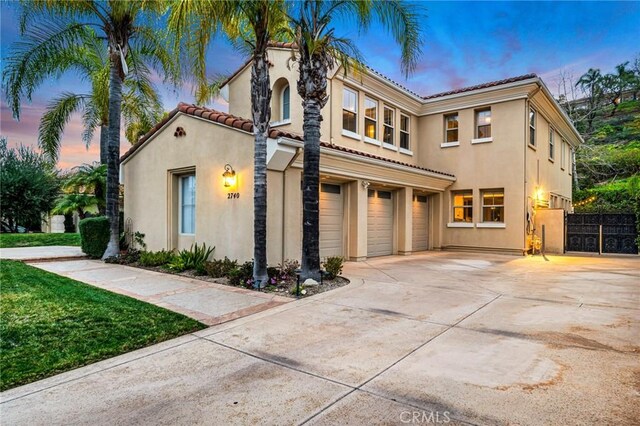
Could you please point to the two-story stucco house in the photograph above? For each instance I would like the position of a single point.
(400, 172)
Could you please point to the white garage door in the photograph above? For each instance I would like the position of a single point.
(420, 229)
(380, 223)
(331, 235)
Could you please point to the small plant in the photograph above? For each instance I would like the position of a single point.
(242, 275)
(138, 237)
(287, 270)
(157, 258)
(194, 258)
(218, 268)
(333, 266)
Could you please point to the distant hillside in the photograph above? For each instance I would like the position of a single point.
(608, 163)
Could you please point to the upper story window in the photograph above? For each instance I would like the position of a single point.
(350, 110)
(563, 155)
(451, 127)
(370, 118)
(493, 205)
(532, 126)
(483, 123)
(286, 103)
(404, 131)
(551, 145)
(389, 127)
(463, 206)
(188, 204)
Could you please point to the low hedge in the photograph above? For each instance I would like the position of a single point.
(94, 236)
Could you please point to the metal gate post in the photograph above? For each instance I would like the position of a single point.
(600, 239)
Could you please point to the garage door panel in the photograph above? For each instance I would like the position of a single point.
(331, 214)
(379, 223)
(420, 222)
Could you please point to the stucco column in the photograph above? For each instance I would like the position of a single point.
(357, 221)
(436, 221)
(292, 214)
(405, 221)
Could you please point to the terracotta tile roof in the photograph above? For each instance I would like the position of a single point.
(247, 126)
(482, 86)
(377, 157)
(395, 83)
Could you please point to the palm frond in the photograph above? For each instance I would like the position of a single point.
(54, 120)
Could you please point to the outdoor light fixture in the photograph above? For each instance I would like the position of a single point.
(365, 184)
(229, 176)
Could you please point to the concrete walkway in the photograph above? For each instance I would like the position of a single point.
(475, 339)
(206, 302)
(41, 253)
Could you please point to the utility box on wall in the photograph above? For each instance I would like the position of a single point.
(553, 221)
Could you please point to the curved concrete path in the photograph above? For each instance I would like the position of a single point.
(431, 338)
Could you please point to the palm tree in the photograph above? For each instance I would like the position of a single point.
(251, 25)
(319, 49)
(122, 24)
(27, 66)
(84, 190)
(591, 84)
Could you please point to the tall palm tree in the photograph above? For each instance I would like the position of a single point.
(39, 55)
(319, 48)
(123, 24)
(251, 25)
(591, 84)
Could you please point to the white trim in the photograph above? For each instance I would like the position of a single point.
(405, 151)
(491, 225)
(280, 123)
(389, 146)
(352, 135)
(482, 140)
(372, 141)
(460, 225)
(449, 144)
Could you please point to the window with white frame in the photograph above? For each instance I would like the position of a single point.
(286, 103)
(451, 127)
(493, 205)
(462, 206)
(532, 126)
(389, 127)
(552, 147)
(188, 204)
(350, 110)
(405, 124)
(483, 123)
(563, 155)
(370, 118)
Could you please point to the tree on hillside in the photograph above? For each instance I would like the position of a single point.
(29, 186)
(251, 25)
(42, 54)
(592, 86)
(122, 24)
(320, 48)
(615, 84)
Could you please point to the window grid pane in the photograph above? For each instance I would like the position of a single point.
(463, 206)
(532, 127)
(551, 145)
(286, 101)
(188, 204)
(493, 206)
(451, 125)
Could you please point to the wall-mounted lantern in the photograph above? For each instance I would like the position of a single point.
(229, 176)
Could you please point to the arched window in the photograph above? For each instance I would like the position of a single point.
(286, 102)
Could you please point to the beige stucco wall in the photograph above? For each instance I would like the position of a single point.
(554, 236)
(150, 178)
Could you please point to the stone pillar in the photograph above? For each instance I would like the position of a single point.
(57, 224)
(405, 221)
(357, 221)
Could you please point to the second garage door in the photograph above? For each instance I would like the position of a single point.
(331, 235)
(419, 214)
(380, 223)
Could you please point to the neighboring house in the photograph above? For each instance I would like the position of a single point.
(400, 173)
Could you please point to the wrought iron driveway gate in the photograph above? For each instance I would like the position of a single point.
(602, 233)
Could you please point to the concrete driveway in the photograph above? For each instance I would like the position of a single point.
(464, 338)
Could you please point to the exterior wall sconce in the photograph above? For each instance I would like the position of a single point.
(229, 176)
(365, 184)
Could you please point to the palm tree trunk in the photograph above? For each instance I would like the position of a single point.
(261, 110)
(104, 143)
(113, 153)
(310, 190)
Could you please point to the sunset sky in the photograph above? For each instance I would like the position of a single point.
(465, 44)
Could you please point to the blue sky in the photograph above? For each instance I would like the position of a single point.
(465, 43)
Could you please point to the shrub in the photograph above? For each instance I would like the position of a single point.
(218, 268)
(288, 269)
(157, 258)
(94, 236)
(333, 266)
(242, 275)
(193, 258)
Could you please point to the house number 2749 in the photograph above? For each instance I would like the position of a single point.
(232, 195)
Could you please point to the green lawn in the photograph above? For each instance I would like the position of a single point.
(50, 324)
(34, 240)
